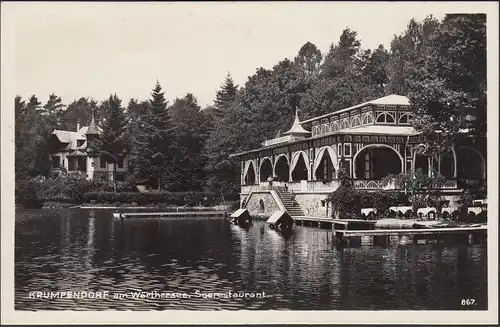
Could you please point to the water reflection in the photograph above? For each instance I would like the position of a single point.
(88, 250)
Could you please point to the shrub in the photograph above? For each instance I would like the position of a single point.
(28, 193)
(136, 198)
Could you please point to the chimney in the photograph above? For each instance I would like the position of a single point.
(78, 126)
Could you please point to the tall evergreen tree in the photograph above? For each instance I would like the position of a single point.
(113, 142)
(53, 110)
(154, 141)
(225, 96)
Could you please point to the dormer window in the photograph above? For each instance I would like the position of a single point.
(79, 143)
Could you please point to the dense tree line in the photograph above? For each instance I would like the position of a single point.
(179, 146)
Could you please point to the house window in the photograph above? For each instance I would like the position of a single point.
(102, 162)
(79, 143)
(404, 118)
(56, 161)
(367, 118)
(385, 117)
(120, 177)
(347, 149)
(120, 163)
(71, 164)
(324, 129)
(345, 123)
(335, 126)
(355, 121)
(367, 165)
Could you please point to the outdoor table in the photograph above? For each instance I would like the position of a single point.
(402, 209)
(475, 210)
(449, 210)
(367, 211)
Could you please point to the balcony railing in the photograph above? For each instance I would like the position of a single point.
(318, 186)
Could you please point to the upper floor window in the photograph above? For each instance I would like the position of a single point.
(56, 161)
(120, 163)
(367, 118)
(404, 118)
(344, 123)
(356, 122)
(102, 162)
(335, 126)
(385, 117)
(79, 143)
(324, 129)
(315, 130)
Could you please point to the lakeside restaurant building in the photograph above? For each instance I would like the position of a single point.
(369, 140)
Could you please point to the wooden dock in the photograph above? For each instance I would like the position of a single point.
(313, 221)
(384, 237)
(400, 232)
(170, 214)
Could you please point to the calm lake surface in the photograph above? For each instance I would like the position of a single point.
(87, 250)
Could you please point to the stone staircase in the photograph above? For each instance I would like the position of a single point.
(292, 208)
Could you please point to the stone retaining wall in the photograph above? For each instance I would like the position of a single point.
(262, 203)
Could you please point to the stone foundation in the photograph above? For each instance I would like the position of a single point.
(262, 204)
(311, 205)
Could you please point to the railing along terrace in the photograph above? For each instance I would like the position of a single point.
(303, 186)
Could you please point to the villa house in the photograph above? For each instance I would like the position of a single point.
(68, 154)
(369, 140)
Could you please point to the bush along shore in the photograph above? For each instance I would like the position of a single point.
(70, 191)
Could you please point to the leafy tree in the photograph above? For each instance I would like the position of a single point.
(189, 136)
(450, 81)
(422, 190)
(309, 58)
(348, 76)
(79, 111)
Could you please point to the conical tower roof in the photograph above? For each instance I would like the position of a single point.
(297, 128)
(92, 130)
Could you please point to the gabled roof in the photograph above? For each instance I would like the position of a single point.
(392, 99)
(66, 136)
(297, 129)
(381, 129)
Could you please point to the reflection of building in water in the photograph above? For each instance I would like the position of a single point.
(90, 248)
(65, 236)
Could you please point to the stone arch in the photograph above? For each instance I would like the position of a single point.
(377, 146)
(250, 173)
(265, 169)
(295, 160)
(319, 156)
(282, 169)
(483, 161)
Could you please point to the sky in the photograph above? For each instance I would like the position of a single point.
(95, 49)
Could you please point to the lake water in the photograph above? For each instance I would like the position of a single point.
(88, 251)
